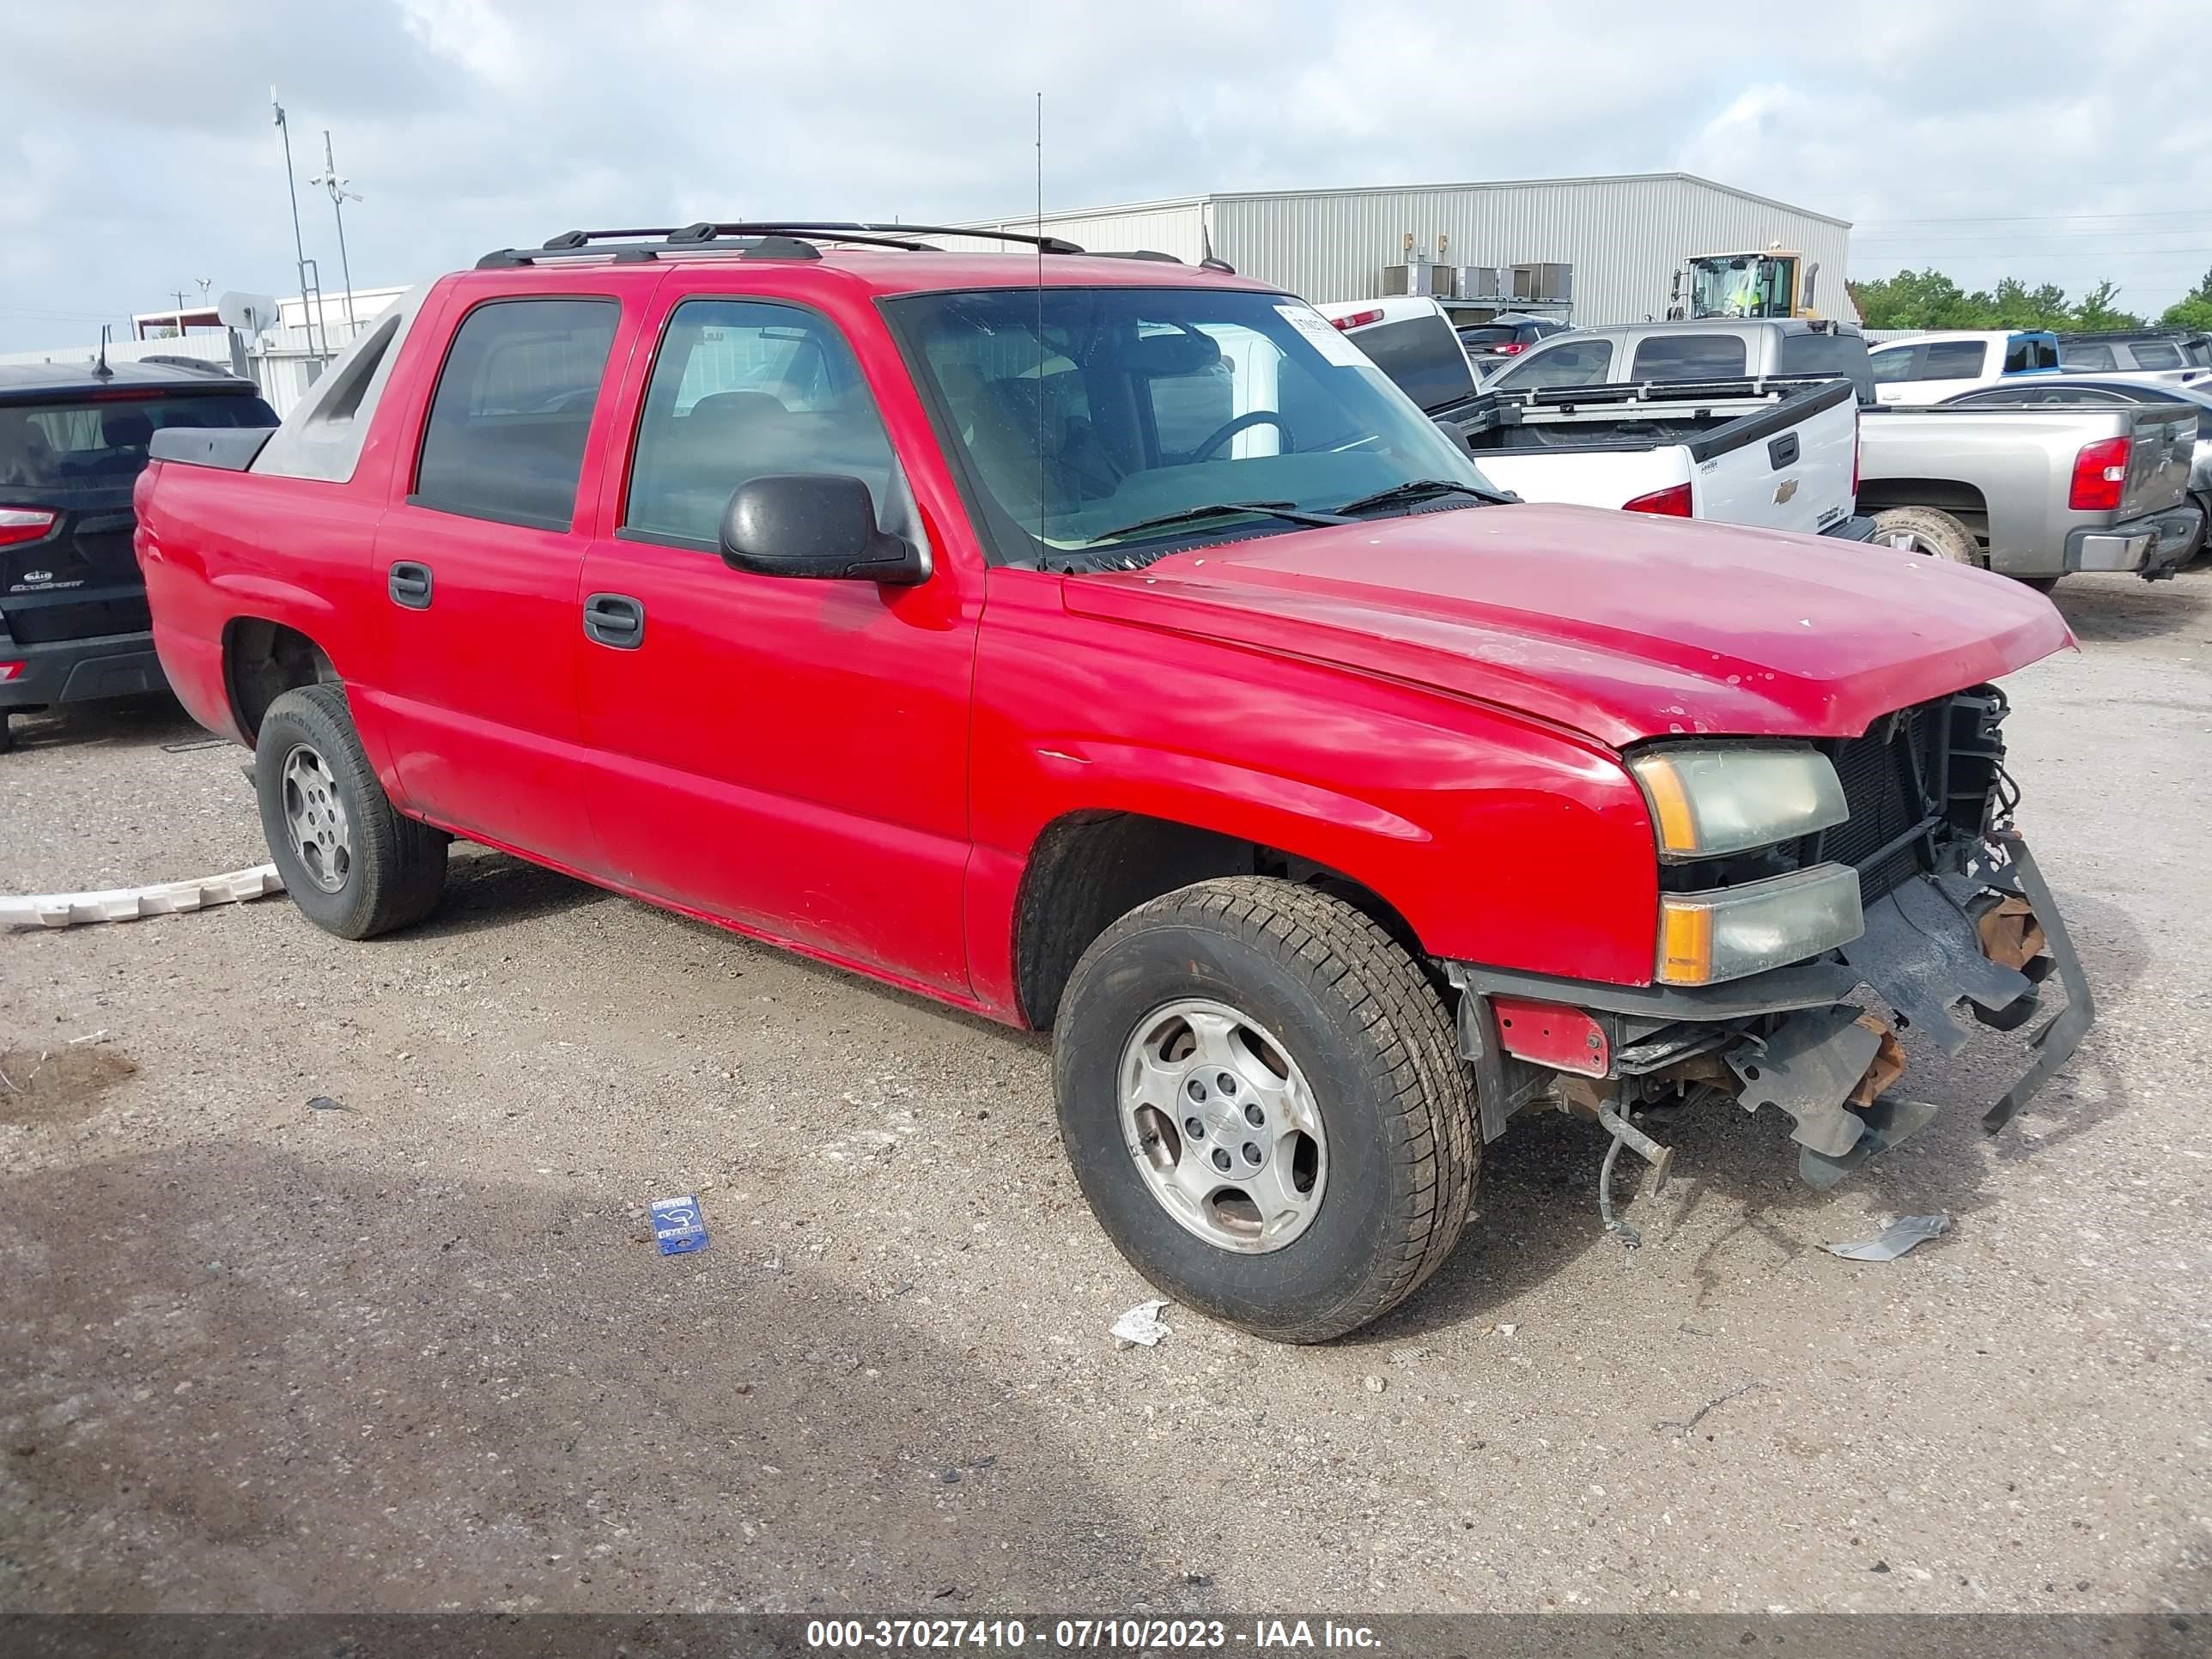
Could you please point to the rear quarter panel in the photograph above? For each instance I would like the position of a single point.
(217, 546)
(2021, 461)
(1498, 839)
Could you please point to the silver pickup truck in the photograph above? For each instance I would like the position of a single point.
(2034, 492)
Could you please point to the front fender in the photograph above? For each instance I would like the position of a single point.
(1498, 839)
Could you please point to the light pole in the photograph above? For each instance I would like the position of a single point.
(299, 247)
(339, 197)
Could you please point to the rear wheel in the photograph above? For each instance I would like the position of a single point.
(1927, 530)
(1264, 1104)
(351, 863)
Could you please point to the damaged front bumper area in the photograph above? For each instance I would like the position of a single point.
(1978, 932)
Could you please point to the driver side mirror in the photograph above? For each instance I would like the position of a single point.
(818, 525)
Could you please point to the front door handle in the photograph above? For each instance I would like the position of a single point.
(410, 584)
(615, 619)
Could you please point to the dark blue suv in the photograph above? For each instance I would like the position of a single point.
(73, 440)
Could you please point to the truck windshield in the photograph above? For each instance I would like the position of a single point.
(1100, 427)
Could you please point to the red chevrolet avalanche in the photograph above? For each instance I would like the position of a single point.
(1104, 644)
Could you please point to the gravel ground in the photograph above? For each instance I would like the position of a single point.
(417, 1353)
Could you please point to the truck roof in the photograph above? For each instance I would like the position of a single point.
(881, 258)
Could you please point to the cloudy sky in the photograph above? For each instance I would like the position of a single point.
(2055, 141)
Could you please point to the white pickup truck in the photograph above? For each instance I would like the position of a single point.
(1780, 453)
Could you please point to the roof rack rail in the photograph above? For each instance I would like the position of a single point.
(781, 238)
(1209, 263)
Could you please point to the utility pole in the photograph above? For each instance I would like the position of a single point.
(339, 196)
(179, 292)
(299, 247)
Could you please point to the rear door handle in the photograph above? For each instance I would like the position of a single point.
(615, 619)
(410, 584)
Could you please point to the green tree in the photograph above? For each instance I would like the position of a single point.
(2096, 310)
(1917, 299)
(2018, 306)
(1929, 298)
(2193, 309)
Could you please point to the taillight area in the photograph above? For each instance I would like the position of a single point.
(2100, 474)
(8, 670)
(1511, 349)
(1356, 318)
(1673, 502)
(26, 524)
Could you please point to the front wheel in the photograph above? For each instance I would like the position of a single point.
(351, 862)
(1265, 1106)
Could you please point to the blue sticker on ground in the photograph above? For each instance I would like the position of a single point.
(676, 1226)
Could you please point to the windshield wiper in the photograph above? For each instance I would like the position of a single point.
(1287, 511)
(1417, 490)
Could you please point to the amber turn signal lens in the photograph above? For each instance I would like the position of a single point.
(1685, 945)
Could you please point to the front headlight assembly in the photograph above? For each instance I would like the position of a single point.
(1715, 800)
(1709, 801)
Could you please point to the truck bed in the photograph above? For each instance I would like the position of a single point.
(1773, 451)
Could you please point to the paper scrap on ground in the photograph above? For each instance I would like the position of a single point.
(1142, 1324)
(131, 903)
(1895, 1240)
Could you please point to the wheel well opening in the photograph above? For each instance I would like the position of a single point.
(264, 659)
(1963, 501)
(1090, 869)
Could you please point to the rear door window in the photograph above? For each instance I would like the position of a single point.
(1423, 358)
(1568, 363)
(1688, 357)
(1893, 364)
(2156, 354)
(505, 439)
(2087, 355)
(1952, 360)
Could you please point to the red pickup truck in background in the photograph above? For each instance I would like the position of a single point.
(1103, 644)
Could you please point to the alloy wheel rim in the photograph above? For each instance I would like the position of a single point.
(1223, 1126)
(315, 819)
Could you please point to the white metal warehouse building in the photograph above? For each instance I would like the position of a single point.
(1624, 237)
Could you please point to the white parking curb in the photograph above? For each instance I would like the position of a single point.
(132, 903)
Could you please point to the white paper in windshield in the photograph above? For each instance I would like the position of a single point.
(1326, 337)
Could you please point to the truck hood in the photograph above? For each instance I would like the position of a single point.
(1622, 626)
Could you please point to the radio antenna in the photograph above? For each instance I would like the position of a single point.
(1040, 317)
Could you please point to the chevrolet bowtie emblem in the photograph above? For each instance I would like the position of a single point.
(1784, 491)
